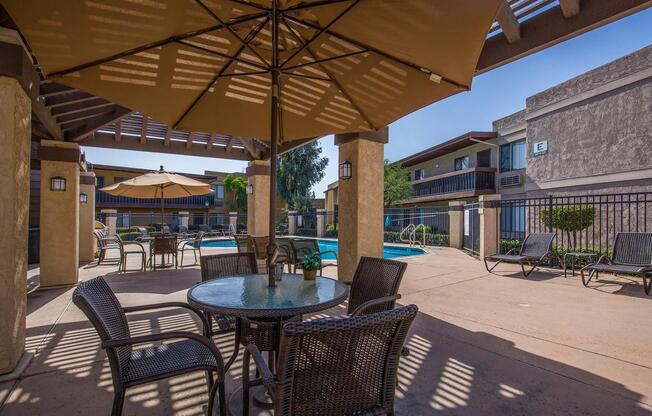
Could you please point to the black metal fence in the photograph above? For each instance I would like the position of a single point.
(196, 220)
(477, 179)
(471, 236)
(586, 223)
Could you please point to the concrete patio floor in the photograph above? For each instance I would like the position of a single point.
(483, 344)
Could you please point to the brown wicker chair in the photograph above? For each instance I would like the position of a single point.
(632, 255)
(164, 245)
(535, 249)
(375, 285)
(127, 248)
(259, 244)
(243, 242)
(104, 244)
(304, 246)
(334, 366)
(220, 265)
(132, 367)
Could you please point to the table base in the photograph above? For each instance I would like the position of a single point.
(235, 406)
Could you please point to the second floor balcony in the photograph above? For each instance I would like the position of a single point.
(104, 200)
(459, 184)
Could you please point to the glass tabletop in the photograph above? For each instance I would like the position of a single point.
(249, 295)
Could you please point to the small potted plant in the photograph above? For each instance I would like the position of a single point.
(310, 264)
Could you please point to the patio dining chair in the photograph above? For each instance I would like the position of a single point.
(230, 264)
(135, 366)
(334, 366)
(193, 245)
(131, 247)
(104, 244)
(164, 245)
(536, 248)
(375, 284)
(304, 246)
(631, 255)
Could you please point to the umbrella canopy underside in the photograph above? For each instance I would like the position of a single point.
(204, 65)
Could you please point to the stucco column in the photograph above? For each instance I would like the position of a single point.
(360, 199)
(184, 217)
(321, 222)
(233, 222)
(15, 134)
(59, 213)
(110, 220)
(258, 175)
(456, 224)
(489, 224)
(86, 216)
(292, 222)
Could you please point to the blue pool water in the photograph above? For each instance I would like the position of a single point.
(390, 252)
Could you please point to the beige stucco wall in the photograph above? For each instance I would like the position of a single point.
(360, 205)
(15, 133)
(59, 222)
(87, 221)
(258, 202)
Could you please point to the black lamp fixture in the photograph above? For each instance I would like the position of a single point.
(250, 189)
(206, 203)
(345, 170)
(58, 184)
(83, 198)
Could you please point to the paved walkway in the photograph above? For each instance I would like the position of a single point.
(483, 344)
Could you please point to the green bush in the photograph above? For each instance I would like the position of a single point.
(331, 231)
(506, 245)
(129, 236)
(569, 219)
(307, 232)
(311, 261)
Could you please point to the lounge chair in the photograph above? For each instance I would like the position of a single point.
(534, 250)
(632, 255)
(132, 367)
(334, 366)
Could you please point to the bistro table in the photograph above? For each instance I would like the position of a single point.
(249, 296)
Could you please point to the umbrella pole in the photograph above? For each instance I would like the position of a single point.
(162, 210)
(271, 248)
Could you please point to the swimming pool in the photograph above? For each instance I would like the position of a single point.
(390, 252)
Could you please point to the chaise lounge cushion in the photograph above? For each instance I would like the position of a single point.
(619, 268)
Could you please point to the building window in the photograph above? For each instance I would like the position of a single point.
(462, 163)
(99, 181)
(219, 191)
(419, 174)
(512, 156)
(118, 179)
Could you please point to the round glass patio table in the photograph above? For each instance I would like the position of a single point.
(248, 296)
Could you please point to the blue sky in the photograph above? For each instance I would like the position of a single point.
(494, 95)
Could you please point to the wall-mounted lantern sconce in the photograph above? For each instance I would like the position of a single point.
(250, 189)
(206, 203)
(83, 198)
(345, 170)
(58, 184)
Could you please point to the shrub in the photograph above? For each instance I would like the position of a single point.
(569, 219)
(506, 245)
(129, 236)
(307, 232)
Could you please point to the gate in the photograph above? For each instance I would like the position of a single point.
(472, 228)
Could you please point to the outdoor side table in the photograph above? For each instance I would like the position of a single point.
(573, 256)
(249, 296)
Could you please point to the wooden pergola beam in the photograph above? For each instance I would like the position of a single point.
(551, 27)
(229, 145)
(79, 106)
(118, 130)
(90, 126)
(251, 147)
(191, 138)
(211, 141)
(168, 136)
(107, 140)
(569, 8)
(143, 131)
(508, 23)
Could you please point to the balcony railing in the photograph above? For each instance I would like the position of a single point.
(468, 180)
(102, 199)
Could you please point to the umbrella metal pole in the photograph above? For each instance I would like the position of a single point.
(271, 248)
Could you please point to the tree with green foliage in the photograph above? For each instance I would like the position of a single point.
(397, 183)
(298, 170)
(238, 187)
(570, 219)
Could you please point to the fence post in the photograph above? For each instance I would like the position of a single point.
(550, 213)
(184, 216)
(292, 222)
(489, 225)
(456, 223)
(321, 222)
(233, 222)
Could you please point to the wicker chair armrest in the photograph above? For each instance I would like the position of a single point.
(202, 317)
(109, 239)
(133, 243)
(374, 302)
(266, 376)
(146, 339)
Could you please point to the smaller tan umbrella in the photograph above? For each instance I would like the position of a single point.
(159, 184)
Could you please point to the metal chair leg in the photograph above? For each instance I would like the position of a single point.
(647, 283)
(118, 403)
(585, 280)
(494, 266)
(245, 383)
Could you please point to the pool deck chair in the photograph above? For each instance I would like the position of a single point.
(632, 255)
(535, 249)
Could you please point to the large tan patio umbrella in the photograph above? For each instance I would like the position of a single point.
(276, 70)
(159, 185)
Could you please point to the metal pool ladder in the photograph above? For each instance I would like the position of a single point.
(412, 235)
